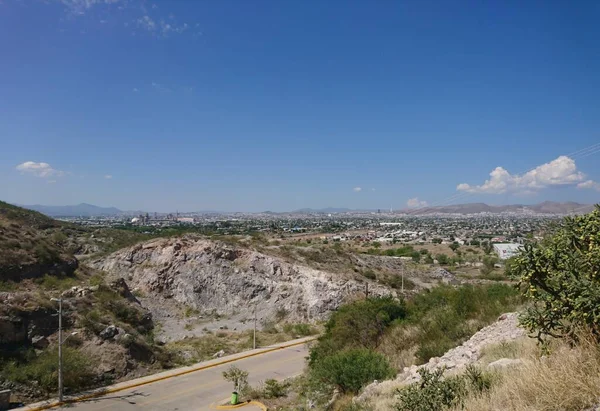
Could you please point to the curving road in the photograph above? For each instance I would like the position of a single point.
(197, 390)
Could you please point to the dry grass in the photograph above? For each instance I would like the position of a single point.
(521, 348)
(567, 379)
(398, 345)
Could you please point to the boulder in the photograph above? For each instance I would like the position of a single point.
(109, 332)
(39, 342)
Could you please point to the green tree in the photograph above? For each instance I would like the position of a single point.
(428, 259)
(416, 256)
(561, 275)
(487, 247)
(238, 377)
(350, 370)
(442, 259)
(436, 241)
(454, 246)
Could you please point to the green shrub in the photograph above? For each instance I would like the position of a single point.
(358, 325)
(43, 369)
(432, 393)
(560, 276)
(350, 370)
(56, 282)
(442, 259)
(370, 274)
(303, 330)
(274, 389)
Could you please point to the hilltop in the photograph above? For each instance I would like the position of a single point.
(32, 244)
(79, 210)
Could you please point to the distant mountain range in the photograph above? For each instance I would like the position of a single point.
(547, 207)
(79, 210)
(322, 210)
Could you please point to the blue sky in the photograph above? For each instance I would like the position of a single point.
(277, 105)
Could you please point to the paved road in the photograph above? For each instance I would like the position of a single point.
(199, 389)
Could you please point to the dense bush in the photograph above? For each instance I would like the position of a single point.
(561, 276)
(350, 370)
(433, 393)
(274, 389)
(358, 325)
(445, 316)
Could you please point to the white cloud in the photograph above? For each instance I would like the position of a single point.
(146, 23)
(51, 181)
(135, 90)
(590, 184)
(108, 176)
(357, 189)
(43, 170)
(415, 202)
(559, 172)
(81, 6)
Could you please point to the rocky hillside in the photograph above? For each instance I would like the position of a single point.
(215, 278)
(32, 245)
(382, 395)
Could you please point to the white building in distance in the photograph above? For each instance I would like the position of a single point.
(507, 250)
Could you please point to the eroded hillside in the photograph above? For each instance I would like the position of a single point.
(226, 282)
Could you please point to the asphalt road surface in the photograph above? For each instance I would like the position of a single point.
(199, 389)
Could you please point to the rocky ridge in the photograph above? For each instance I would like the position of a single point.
(454, 360)
(215, 278)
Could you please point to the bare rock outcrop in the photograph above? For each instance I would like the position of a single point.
(211, 276)
(505, 329)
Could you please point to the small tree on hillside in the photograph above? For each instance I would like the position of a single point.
(561, 275)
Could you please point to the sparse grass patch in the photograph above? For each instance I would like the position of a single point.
(567, 379)
(77, 370)
(56, 282)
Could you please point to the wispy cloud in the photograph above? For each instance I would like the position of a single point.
(559, 172)
(82, 6)
(108, 176)
(161, 87)
(42, 170)
(147, 23)
(415, 202)
(135, 90)
(357, 189)
(589, 184)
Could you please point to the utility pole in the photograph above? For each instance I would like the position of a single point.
(60, 344)
(402, 273)
(254, 326)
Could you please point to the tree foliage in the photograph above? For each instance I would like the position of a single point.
(561, 275)
(350, 370)
(358, 325)
(238, 377)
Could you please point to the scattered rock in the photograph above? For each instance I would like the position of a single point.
(455, 360)
(219, 354)
(109, 332)
(39, 342)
